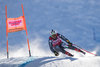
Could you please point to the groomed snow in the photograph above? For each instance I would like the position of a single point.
(93, 61)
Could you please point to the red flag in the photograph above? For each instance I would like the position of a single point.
(15, 24)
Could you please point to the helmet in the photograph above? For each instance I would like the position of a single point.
(52, 32)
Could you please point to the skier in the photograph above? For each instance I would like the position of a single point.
(56, 44)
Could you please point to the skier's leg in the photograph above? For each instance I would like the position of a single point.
(76, 49)
(56, 48)
(61, 49)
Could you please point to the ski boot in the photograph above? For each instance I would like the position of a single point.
(69, 54)
(82, 52)
(56, 53)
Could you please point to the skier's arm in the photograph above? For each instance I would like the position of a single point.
(51, 47)
(65, 39)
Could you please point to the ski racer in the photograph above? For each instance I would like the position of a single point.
(56, 44)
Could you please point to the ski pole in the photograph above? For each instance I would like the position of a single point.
(85, 50)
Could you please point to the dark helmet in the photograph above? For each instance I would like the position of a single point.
(53, 34)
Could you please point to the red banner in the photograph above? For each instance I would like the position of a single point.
(15, 24)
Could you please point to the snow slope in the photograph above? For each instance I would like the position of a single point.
(51, 62)
(78, 20)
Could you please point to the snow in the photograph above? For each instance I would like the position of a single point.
(78, 20)
(51, 61)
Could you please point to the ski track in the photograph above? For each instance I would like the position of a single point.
(51, 61)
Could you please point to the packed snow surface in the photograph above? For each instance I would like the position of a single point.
(51, 61)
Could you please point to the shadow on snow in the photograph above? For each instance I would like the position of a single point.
(41, 61)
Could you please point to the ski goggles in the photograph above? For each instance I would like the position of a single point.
(52, 33)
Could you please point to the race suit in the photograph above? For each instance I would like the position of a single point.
(57, 44)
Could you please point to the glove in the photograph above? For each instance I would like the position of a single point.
(69, 43)
(56, 53)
